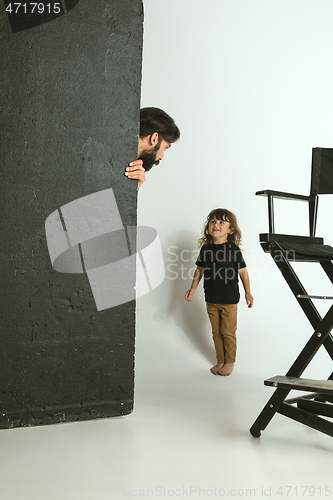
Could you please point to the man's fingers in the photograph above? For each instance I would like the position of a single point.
(136, 175)
(137, 168)
(136, 171)
(136, 164)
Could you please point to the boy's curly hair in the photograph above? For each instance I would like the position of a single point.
(221, 214)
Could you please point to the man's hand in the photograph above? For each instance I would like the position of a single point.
(135, 170)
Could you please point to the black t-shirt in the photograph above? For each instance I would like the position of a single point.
(221, 264)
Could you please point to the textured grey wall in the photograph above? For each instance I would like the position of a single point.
(70, 98)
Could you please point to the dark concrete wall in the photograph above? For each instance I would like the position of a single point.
(70, 98)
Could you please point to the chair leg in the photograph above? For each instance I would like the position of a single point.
(296, 287)
(268, 411)
(307, 418)
(320, 337)
(296, 370)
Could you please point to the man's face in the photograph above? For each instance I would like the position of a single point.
(153, 155)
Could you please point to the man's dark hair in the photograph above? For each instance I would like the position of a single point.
(156, 120)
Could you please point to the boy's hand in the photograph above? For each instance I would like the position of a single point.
(249, 299)
(189, 294)
(135, 170)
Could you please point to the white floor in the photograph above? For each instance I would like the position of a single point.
(188, 437)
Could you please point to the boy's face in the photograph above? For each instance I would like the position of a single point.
(219, 230)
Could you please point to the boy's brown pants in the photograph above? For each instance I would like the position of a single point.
(223, 318)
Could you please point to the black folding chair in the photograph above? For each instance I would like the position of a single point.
(317, 401)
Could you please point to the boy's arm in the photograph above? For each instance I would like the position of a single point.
(244, 276)
(196, 280)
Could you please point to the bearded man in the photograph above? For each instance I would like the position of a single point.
(157, 132)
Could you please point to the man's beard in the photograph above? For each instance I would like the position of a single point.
(148, 157)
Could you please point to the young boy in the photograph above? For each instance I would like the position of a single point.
(220, 262)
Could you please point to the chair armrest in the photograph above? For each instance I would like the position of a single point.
(285, 196)
(312, 200)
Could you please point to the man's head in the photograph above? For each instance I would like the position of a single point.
(157, 132)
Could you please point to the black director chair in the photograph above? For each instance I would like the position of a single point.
(317, 400)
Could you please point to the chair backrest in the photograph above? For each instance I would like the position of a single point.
(322, 171)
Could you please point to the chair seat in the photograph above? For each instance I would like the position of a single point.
(301, 384)
(309, 252)
(290, 238)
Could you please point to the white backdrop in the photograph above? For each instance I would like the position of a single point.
(249, 83)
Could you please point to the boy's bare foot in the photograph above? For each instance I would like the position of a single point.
(226, 369)
(216, 369)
